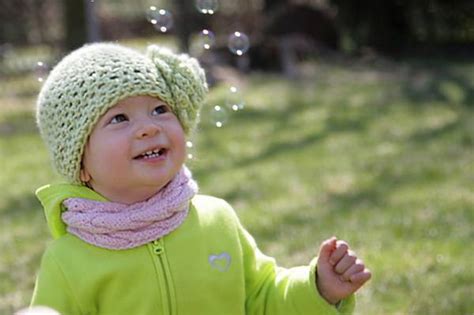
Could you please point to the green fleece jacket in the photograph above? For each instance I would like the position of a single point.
(210, 265)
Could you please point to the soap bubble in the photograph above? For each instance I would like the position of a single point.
(190, 150)
(204, 41)
(440, 258)
(161, 19)
(219, 116)
(207, 39)
(41, 71)
(234, 100)
(238, 43)
(151, 14)
(164, 21)
(207, 6)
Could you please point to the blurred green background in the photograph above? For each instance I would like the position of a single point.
(347, 118)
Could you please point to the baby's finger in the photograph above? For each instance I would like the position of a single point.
(326, 249)
(361, 277)
(339, 252)
(357, 267)
(345, 262)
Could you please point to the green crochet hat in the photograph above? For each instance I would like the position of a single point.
(92, 79)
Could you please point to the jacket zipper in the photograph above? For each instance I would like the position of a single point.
(167, 290)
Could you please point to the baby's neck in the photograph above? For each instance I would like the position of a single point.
(129, 197)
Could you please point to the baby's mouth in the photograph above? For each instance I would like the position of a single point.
(151, 154)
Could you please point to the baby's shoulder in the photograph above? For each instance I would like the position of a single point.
(212, 208)
(65, 243)
(206, 201)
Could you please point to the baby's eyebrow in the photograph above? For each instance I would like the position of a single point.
(116, 109)
(111, 113)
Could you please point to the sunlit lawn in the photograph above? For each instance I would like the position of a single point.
(380, 154)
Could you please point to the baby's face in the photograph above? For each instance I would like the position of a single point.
(134, 150)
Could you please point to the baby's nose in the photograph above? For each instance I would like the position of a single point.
(147, 128)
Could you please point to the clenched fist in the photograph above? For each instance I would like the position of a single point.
(339, 273)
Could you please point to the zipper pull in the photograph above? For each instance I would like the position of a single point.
(158, 247)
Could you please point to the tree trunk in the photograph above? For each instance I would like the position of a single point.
(274, 4)
(75, 24)
(93, 27)
(183, 23)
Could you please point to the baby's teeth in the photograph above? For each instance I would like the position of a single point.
(151, 154)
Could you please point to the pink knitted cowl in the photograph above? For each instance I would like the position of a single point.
(118, 226)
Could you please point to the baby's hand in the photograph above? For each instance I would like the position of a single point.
(340, 272)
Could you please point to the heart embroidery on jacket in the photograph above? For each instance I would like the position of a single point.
(220, 262)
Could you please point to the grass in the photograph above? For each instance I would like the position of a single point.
(380, 154)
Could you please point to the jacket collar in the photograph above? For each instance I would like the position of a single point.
(52, 197)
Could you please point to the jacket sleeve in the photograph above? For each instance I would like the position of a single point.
(52, 289)
(274, 290)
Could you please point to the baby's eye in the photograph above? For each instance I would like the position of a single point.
(118, 119)
(160, 110)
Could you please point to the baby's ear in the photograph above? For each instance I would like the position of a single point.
(84, 176)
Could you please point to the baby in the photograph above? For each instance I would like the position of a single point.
(131, 234)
